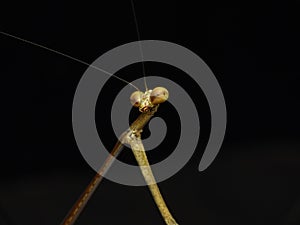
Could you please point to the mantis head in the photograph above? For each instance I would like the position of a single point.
(148, 99)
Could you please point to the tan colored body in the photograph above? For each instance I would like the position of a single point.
(132, 136)
(134, 139)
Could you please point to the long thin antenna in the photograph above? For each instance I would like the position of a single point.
(139, 41)
(68, 56)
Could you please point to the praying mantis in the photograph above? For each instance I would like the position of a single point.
(147, 103)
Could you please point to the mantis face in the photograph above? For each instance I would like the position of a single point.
(146, 100)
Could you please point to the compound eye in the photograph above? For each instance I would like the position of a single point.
(159, 95)
(136, 98)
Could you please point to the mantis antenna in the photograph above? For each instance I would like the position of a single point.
(68, 56)
(140, 44)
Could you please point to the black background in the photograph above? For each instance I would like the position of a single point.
(253, 50)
